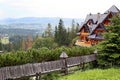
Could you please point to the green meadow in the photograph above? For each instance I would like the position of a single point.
(95, 74)
(4, 40)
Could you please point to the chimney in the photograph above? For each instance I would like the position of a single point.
(98, 15)
(90, 14)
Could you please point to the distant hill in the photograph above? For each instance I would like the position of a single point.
(31, 25)
(39, 20)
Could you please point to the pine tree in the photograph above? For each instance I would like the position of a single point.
(56, 34)
(61, 36)
(73, 33)
(61, 32)
(110, 48)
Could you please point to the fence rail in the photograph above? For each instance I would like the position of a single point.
(13, 72)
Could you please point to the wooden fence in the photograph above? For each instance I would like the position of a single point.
(34, 69)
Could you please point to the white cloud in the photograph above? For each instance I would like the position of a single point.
(2, 14)
(60, 8)
(1, 1)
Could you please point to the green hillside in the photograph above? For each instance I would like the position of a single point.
(96, 74)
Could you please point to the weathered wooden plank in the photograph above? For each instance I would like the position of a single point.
(2, 75)
(89, 58)
(37, 67)
(25, 69)
(14, 71)
(51, 66)
(18, 72)
(73, 61)
(30, 70)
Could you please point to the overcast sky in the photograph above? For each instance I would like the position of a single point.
(53, 8)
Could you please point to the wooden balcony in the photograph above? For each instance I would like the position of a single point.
(84, 33)
(81, 43)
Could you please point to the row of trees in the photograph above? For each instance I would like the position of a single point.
(59, 37)
(65, 36)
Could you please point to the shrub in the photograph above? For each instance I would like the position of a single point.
(40, 55)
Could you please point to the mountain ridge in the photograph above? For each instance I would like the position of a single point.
(42, 20)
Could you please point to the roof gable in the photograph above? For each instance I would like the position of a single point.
(93, 17)
(84, 26)
(102, 17)
(96, 18)
(94, 27)
(113, 9)
(80, 27)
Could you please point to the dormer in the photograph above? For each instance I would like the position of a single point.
(89, 22)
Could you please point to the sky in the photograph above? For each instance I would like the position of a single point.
(54, 8)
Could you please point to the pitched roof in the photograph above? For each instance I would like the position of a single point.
(84, 25)
(93, 17)
(95, 26)
(92, 28)
(96, 18)
(99, 37)
(113, 9)
(80, 27)
(94, 36)
(102, 17)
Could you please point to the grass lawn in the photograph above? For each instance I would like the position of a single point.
(96, 74)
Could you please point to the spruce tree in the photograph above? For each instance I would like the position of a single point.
(56, 34)
(73, 32)
(110, 48)
(61, 36)
(61, 33)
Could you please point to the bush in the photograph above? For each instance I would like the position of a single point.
(40, 55)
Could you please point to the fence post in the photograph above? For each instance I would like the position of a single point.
(83, 66)
(80, 66)
(64, 57)
(38, 76)
(95, 62)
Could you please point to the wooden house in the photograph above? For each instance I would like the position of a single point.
(90, 32)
